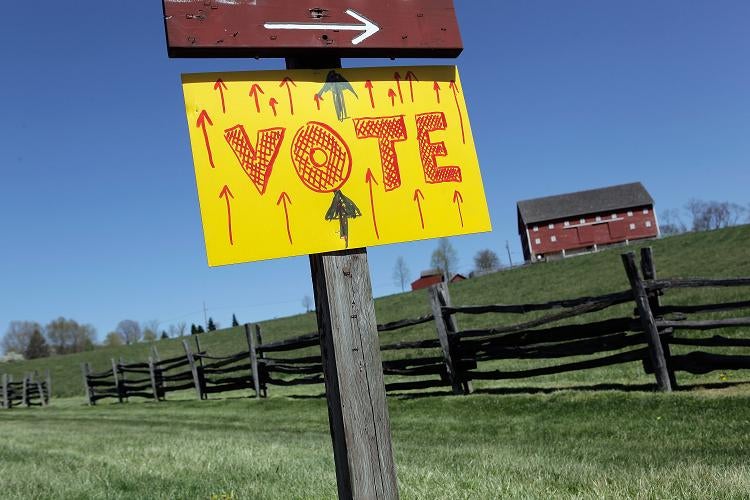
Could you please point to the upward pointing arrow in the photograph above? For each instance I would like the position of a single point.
(368, 28)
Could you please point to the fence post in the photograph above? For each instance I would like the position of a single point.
(155, 353)
(115, 374)
(656, 353)
(40, 388)
(446, 328)
(5, 391)
(648, 269)
(250, 336)
(152, 374)
(86, 370)
(261, 355)
(25, 393)
(49, 385)
(193, 368)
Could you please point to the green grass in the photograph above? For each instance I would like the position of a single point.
(559, 436)
(566, 444)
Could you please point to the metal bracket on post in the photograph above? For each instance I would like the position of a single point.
(655, 350)
(353, 373)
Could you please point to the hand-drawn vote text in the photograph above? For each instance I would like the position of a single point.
(306, 161)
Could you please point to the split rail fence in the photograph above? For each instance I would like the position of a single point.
(454, 358)
(31, 390)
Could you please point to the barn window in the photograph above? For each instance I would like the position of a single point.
(583, 221)
(614, 216)
(630, 213)
(567, 223)
(648, 223)
(538, 241)
(632, 227)
(536, 228)
(553, 239)
(645, 211)
(551, 226)
(598, 218)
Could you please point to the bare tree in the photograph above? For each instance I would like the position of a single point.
(444, 258)
(401, 273)
(709, 215)
(671, 222)
(67, 336)
(150, 330)
(178, 329)
(129, 331)
(486, 261)
(307, 303)
(18, 336)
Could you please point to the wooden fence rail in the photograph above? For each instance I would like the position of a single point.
(451, 358)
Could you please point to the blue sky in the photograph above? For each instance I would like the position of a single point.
(99, 214)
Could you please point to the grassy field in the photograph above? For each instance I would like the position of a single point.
(600, 433)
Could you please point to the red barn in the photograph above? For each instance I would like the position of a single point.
(573, 223)
(427, 279)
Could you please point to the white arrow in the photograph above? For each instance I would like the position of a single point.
(368, 27)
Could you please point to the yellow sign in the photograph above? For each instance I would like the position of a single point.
(299, 161)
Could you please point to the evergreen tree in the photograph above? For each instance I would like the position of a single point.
(38, 347)
(234, 321)
(164, 335)
(199, 329)
(193, 329)
(211, 325)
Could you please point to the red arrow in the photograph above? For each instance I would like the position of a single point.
(226, 193)
(221, 87)
(284, 198)
(254, 91)
(273, 102)
(411, 77)
(436, 87)
(317, 98)
(417, 195)
(369, 179)
(460, 116)
(201, 123)
(397, 77)
(368, 86)
(286, 81)
(392, 95)
(458, 199)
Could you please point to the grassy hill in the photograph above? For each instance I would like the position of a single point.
(721, 253)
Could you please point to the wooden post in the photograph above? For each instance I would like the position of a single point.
(446, 329)
(655, 350)
(116, 376)
(5, 391)
(353, 373)
(261, 355)
(86, 369)
(648, 269)
(250, 336)
(49, 385)
(25, 393)
(40, 388)
(193, 368)
(155, 353)
(152, 374)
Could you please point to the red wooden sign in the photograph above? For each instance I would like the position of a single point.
(335, 28)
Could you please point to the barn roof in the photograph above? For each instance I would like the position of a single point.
(584, 202)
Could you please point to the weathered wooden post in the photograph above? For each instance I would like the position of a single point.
(648, 269)
(48, 378)
(261, 355)
(86, 371)
(656, 353)
(193, 368)
(446, 327)
(25, 390)
(353, 373)
(5, 391)
(152, 375)
(118, 382)
(252, 351)
(155, 354)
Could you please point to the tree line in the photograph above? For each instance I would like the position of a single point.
(703, 216)
(32, 340)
